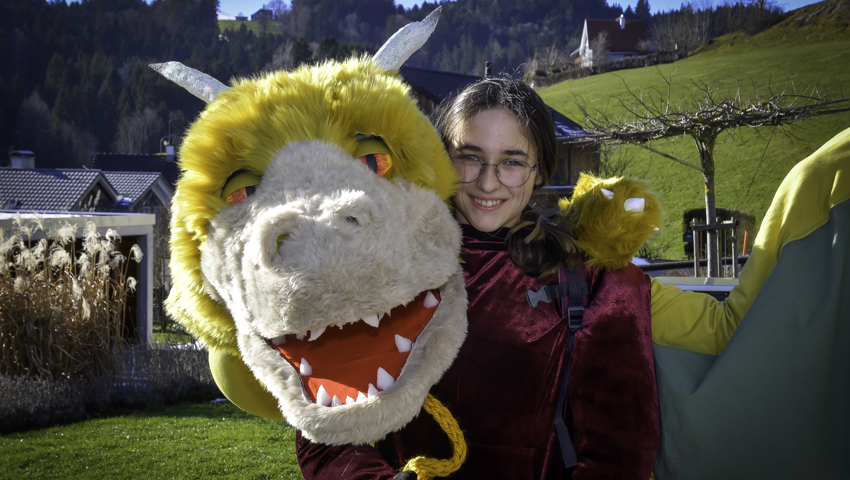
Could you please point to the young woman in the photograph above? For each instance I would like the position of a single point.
(505, 384)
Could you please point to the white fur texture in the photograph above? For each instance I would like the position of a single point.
(353, 244)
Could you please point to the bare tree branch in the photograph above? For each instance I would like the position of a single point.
(711, 112)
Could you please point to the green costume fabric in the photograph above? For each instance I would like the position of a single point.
(776, 402)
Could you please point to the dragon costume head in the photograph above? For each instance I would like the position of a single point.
(311, 237)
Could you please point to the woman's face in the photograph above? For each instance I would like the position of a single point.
(493, 136)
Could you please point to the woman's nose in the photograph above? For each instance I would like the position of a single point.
(488, 180)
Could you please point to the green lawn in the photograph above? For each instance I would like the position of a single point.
(743, 180)
(185, 441)
(256, 27)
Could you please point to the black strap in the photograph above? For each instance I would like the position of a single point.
(577, 290)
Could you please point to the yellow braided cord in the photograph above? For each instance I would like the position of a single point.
(428, 468)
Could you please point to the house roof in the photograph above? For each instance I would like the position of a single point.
(435, 85)
(132, 185)
(438, 86)
(564, 127)
(49, 189)
(619, 40)
(115, 162)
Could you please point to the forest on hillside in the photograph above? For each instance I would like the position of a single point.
(74, 77)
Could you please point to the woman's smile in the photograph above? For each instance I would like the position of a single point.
(491, 140)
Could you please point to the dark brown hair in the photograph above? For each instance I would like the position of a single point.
(541, 241)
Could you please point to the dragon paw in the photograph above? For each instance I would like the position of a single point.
(612, 218)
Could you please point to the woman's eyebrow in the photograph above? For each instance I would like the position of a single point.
(475, 148)
(514, 153)
(472, 148)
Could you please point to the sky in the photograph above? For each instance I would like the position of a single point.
(247, 7)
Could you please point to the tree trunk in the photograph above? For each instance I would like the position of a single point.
(705, 145)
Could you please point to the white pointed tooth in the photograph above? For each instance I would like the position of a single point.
(372, 320)
(361, 396)
(305, 368)
(608, 193)
(372, 390)
(430, 301)
(634, 204)
(279, 340)
(314, 334)
(336, 401)
(403, 344)
(322, 397)
(349, 400)
(385, 380)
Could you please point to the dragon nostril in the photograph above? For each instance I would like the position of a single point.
(353, 220)
(281, 238)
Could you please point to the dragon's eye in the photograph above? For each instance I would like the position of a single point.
(373, 152)
(378, 163)
(239, 186)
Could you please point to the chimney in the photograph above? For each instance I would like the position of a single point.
(487, 66)
(622, 22)
(21, 159)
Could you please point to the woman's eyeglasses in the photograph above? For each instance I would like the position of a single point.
(511, 173)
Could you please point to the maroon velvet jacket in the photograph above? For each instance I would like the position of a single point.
(504, 385)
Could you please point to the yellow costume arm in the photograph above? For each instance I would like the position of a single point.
(698, 322)
(241, 387)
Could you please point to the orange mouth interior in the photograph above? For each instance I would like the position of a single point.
(346, 361)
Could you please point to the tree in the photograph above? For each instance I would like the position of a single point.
(642, 10)
(138, 134)
(35, 125)
(279, 8)
(712, 113)
(685, 29)
(599, 48)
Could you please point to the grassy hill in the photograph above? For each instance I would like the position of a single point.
(809, 47)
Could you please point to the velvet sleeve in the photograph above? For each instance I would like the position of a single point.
(699, 323)
(347, 462)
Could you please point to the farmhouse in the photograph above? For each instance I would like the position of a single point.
(262, 14)
(619, 37)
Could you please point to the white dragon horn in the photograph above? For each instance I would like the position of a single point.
(197, 83)
(406, 41)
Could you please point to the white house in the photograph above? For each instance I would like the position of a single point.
(624, 38)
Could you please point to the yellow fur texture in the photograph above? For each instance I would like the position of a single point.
(608, 234)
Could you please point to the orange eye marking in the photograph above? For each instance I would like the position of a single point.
(240, 195)
(378, 163)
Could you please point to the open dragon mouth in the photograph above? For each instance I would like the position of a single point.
(349, 364)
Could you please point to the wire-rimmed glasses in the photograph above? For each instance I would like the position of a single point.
(511, 173)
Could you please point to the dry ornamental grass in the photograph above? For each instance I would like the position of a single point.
(61, 311)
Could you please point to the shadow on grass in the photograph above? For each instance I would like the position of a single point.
(148, 379)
